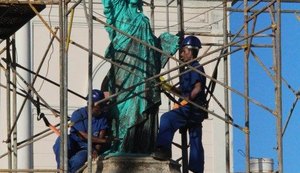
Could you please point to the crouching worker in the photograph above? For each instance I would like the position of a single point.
(78, 145)
(192, 87)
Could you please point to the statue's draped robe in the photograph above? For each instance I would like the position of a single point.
(134, 115)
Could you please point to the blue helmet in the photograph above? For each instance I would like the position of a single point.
(192, 42)
(97, 95)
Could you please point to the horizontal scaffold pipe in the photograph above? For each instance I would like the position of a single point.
(256, 45)
(221, 35)
(239, 45)
(255, 11)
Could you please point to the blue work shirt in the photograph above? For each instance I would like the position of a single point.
(189, 79)
(80, 120)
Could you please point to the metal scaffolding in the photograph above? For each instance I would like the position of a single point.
(243, 40)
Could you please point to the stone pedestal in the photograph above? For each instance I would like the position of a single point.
(131, 164)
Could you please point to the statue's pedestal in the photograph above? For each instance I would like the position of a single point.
(130, 164)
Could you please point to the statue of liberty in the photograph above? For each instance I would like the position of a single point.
(134, 113)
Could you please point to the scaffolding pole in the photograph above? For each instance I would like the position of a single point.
(90, 84)
(14, 103)
(246, 85)
(8, 101)
(278, 87)
(63, 58)
(226, 93)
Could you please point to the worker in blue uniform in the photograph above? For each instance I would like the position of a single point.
(192, 87)
(77, 141)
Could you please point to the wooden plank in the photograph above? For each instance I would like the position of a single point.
(36, 2)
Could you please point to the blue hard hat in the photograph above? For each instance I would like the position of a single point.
(97, 95)
(191, 42)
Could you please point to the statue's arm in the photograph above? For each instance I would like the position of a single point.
(109, 13)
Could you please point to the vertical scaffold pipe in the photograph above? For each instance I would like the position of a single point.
(152, 15)
(90, 86)
(63, 86)
(168, 30)
(8, 119)
(14, 103)
(180, 13)
(278, 87)
(246, 84)
(226, 78)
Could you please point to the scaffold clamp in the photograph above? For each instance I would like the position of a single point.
(246, 130)
(298, 94)
(245, 46)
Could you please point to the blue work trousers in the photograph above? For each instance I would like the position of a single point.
(171, 121)
(77, 157)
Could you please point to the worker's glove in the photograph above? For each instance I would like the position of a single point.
(182, 103)
(164, 84)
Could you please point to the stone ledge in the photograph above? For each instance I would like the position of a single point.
(131, 164)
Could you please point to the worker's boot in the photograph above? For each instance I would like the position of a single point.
(162, 154)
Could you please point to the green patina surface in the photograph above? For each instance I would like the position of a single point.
(134, 115)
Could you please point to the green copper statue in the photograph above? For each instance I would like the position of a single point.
(135, 111)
